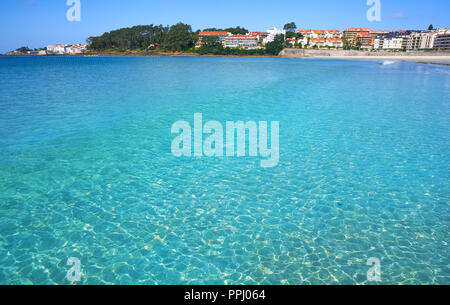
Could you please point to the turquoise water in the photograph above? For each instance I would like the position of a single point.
(86, 171)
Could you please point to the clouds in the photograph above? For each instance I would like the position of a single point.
(399, 15)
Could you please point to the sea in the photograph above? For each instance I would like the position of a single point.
(91, 193)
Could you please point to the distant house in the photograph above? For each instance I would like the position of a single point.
(291, 41)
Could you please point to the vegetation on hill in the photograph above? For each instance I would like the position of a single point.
(235, 31)
(176, 38)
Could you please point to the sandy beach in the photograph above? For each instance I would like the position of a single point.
(436, 60)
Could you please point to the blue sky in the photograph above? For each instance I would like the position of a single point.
(37, 23)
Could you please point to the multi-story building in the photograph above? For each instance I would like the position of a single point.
(259, 35)
(319, 34)
(75, 49)
(442, 41)
(350, 34)
(365, 40)
(420, 40)
(335, 42)
(220, 34)
(59, 49)
(272, 33)
(397, 40)
(334, 34)
(246, 42)
(393, 43)
(56, 49)
(319, 42)
(306, 33)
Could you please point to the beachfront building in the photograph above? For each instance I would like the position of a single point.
(335, 43)
(442, 41)
(306, 33)
(365, 41)
(420, 40)
(220, 34)
(393, 43)
(272, 33)
(56, 49)
(59, 49)
(259, 35)
(351, 34)
(246, 42)
(75, 49)
(334, 34)
(397, 40)
(319, 34)
(318, 42)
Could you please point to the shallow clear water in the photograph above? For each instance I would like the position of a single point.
(86, 171)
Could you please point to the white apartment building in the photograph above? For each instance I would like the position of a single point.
(75, 49)
(319, 42)
(393, 43)
(333, 34)
(306, 33)
(272, 33)
(335, 42)
(60, 49)
(420, 40)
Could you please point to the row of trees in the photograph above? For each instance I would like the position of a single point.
(178, 37)
(235, 31)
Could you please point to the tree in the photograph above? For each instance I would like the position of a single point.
(291, 35)
(179, 38)
(290, 27)
(276, 46)
(129, 38)
(23, 49)
(237, 30)
(431, 27)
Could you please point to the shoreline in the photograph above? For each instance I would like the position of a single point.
(423, 57)
(443, 60)
(430, 60)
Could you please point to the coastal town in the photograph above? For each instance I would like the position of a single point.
(349, 39)
(361, 38)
